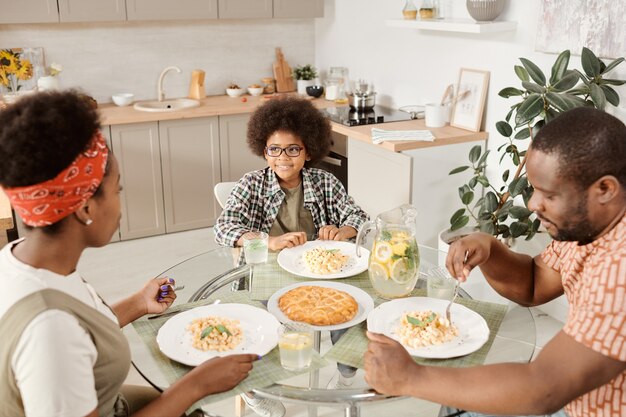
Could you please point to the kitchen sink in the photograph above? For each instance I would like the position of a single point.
(166, 105)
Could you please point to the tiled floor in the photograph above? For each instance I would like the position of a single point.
(122, 268)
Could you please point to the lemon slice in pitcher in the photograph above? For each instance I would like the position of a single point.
(378, 271)
(400, 272)
(383, 251)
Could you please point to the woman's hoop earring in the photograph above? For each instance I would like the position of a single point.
(88, 222)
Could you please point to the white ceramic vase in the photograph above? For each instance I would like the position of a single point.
(303, 84)
(48, 83)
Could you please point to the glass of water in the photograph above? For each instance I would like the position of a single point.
(295, 344)
(440, 284)
(255, 245)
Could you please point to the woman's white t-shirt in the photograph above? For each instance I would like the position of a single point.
(53, 360)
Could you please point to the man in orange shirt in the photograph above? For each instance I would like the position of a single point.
(577, 166)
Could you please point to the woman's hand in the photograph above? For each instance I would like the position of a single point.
(222, 373)
(288, 240)
(388, 365)
(332, 232)
(158, 294)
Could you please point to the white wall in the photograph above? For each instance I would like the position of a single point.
(105, 58)
(410, 66)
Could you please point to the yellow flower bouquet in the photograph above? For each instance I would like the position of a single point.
(13, 69)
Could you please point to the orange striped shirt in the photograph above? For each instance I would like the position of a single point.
(594, 280)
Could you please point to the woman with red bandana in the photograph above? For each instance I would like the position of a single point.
(63, 352)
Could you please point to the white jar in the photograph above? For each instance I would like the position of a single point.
(48, 83)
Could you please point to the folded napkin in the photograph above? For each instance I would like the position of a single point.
(380, 135)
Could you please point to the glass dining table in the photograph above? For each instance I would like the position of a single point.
(221, 275)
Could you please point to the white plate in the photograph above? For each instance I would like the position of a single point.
(291, 259)
(260, 332)
(473, 329)
(363, 299)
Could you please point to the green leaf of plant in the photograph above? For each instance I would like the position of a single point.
(474, 153)
(533, 70)
(488, 227)
(523, 134)
(518, 212)
(504, 129)
(472, 182)
(518, 229)
(533, 88)
(598, 97)
(531, 107)
(459, 169)
(537, 127)
(467, 197)
(590, 62)
(485, 215)
(510, 92)
(482, 161)
(505, 175)
(484, 181)
(521, 73)
(491, 202)
(206, 331)
(459, 223)
(611, 95)
(612, 65)
(613, 82)
(508, 115)
(567, 82)
(562, 102)
(457, 214)
(517, 186)
(559, 67)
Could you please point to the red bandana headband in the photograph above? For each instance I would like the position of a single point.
(50, 201)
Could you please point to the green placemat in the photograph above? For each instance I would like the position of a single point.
(353, 344)
(264, 373)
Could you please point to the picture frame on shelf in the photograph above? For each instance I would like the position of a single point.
(467, 112)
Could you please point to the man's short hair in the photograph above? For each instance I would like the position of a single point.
(588, 144)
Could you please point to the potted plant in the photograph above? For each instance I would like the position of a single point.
(13, 69)
(503, 211)
(305, 76)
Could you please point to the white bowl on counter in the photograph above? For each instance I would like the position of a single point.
(255, 91)
(123, 99)
(235, 92)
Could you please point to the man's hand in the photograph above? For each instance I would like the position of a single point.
(388, 366)
(467, 253)
(288, 240)
(332, 232)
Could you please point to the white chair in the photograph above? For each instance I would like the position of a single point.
(222, 191)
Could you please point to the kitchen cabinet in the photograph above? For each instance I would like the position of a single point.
(298, 8)
(136, 147)
(244, 9)
(171, 10)
(168, 170)
(106, 132)
(29, 11)
(235, 156)
(190, 158)
(92, 10)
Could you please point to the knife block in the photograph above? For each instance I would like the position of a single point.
(196, 86)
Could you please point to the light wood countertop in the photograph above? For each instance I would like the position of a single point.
(225, 105)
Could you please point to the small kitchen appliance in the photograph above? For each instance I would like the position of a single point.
(356, 117)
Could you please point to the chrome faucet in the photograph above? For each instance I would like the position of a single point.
(160, 92)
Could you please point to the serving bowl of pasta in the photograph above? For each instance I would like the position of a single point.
(419, 324)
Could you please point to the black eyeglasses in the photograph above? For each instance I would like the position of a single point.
(276, 151)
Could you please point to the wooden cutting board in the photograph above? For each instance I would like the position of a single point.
(282, 73)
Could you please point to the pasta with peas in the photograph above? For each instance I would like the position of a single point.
(425, 328)
(215, 333)
(324, 261)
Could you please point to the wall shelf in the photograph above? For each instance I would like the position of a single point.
(454, 25)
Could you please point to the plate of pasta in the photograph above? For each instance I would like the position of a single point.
(194, 336)
(324, 259)
(419, 324)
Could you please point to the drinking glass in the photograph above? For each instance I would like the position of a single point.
(295, 344)
(255, 245)
(439, 284)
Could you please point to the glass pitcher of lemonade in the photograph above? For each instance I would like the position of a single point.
(394, 259)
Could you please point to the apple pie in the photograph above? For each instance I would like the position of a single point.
(320, 306)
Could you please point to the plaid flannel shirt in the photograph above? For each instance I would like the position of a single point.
(255, 201)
